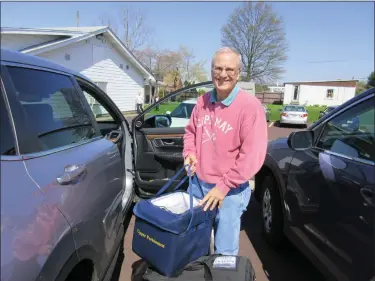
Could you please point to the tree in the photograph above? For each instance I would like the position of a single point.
(136, 31)
(180, 63)
(371, 80)
(361, 86)
(258, 35)
(148, 57)
(191, 70)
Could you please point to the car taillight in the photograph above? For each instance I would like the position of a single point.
(284, 114)
(304, 115)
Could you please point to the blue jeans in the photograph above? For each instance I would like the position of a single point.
(227, 225)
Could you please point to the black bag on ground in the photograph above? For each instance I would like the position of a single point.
(207, 268)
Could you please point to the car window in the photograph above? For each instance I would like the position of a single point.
(351, 133)
(7, 137)
(175, 111)
(294, 108)
(52, 107)
(99, 111)
(183, 110)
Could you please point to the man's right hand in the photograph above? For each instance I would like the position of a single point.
(191, 160)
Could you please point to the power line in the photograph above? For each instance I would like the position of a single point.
(328, 61)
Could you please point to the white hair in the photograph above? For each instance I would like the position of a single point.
(227, 50)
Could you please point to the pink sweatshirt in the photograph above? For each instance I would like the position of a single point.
(229, 138)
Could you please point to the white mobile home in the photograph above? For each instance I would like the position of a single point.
(320, 93)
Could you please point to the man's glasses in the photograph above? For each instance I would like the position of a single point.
(229, 71)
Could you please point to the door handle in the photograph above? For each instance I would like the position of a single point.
(368, 194)
(168, 142)
(71, 172)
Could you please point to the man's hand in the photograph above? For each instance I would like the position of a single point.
(191, 160)
(213, 198)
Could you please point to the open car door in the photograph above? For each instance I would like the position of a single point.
(158, 139)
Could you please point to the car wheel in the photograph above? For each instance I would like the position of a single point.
(272, 214)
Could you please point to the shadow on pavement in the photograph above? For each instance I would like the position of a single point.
(283, 265)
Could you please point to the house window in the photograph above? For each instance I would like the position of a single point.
(329, 94)
(295, 95)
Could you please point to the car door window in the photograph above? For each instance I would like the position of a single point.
(99, 111)
(7, 138)
(351, 133)
(52, 106)
(179, 108)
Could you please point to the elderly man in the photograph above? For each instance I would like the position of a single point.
(225, 144)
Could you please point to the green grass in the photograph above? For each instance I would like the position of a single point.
(164, 107)
(275, 110)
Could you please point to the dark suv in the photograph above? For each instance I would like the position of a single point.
(317, 188)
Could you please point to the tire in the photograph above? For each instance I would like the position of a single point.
(272, 213)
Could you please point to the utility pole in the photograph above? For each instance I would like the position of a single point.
(127, 28)
(77, 18)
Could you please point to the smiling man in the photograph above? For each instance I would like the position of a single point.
(225, 143)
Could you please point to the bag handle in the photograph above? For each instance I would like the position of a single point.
(197, 265)
(164, 188)
(170, 181)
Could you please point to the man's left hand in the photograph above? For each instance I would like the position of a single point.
(213, 198)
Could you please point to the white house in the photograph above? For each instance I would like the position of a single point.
(321, 93)
(96, 52)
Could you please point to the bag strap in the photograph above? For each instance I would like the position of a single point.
(198, 265)
(170, 181)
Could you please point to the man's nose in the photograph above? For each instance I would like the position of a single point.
(223, 74)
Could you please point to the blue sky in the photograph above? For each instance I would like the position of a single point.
(327, 40)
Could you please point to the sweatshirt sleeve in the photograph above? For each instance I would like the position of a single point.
(189, 136)
(254, 139)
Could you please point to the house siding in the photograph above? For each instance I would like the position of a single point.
(100, 61)
(18, 42)
(311, 95)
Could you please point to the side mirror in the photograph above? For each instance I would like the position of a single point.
(168, 113)
(321, 112)
(301, 140)
(163, 121)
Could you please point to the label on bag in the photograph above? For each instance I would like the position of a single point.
(229, 262)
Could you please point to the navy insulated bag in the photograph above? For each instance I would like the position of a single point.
(172, 230)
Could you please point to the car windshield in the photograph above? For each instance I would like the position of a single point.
(295, 108)
(184, 110)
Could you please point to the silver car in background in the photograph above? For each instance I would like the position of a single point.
(294, 115)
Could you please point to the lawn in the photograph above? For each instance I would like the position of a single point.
(164, 107)
(275, 110)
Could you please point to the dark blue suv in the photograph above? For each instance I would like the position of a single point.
(316, 188)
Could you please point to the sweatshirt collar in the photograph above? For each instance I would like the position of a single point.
(229, 99)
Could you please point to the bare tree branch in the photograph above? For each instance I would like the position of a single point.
(181, 63)
(258, 35)
(136, 32)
